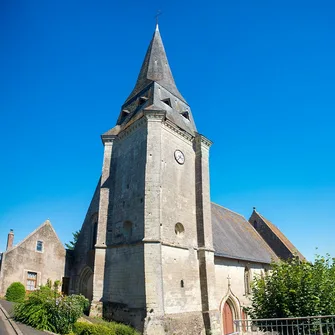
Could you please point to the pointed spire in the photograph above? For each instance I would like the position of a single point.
(155, 68)
(155, 89)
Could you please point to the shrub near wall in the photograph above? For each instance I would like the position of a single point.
(103, 328)
(46, 309)
(16, 292)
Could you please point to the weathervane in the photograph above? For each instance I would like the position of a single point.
(159, 12)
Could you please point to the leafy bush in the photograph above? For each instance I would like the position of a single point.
(16, 292)
(103, 328)
(84, 328)
(295, 289)
(46, 309)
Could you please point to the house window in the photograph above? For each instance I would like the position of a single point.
(31, 281)
(39, 246)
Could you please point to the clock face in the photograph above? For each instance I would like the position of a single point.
(179, 156)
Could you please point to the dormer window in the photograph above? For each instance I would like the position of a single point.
(186, 115)
(125, 113)
(39, 246)
(167, 101)
(142, 100)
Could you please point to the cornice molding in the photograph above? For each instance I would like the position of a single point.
(108, 138)
(130, 129)
(204, 140)
(154, 114)
(169, 124)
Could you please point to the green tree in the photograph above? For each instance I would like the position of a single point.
(295, 288)
(72, 244)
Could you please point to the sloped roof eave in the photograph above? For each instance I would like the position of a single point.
(220, 255)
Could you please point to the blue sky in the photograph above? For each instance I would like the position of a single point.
(259, 76)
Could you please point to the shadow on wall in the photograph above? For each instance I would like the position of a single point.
(124, 297)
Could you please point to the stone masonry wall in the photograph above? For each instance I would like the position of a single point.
(181, 280)
(83, 255)
(229, 275)
(123, 291)
(177, 191)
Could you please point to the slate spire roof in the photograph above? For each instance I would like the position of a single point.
(155, 89)
(156, 68)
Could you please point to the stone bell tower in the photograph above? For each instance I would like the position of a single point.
(154, 257)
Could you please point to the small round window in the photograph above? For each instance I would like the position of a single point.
(179, 229)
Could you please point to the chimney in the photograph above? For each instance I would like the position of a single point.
(10, 239)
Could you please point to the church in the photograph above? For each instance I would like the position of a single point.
(153, 250)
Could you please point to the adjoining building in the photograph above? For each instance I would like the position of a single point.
(39, 257)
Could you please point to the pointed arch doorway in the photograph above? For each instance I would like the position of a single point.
(86, 283)
(227, 317)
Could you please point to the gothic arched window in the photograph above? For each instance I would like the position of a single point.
(94, 234)
(247, 284)
(127, 230)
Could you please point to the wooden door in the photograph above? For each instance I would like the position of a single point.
(228, 325)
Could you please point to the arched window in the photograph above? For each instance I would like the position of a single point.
(94, 234)
(179, 229)
(127, 230)
(255, 224)
(247, 286)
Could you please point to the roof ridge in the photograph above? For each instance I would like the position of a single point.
(46, 222)
(214, 203)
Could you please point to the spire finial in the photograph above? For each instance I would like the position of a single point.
(159, 12)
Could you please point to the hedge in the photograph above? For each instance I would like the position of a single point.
(16, 292)
(103, 328)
